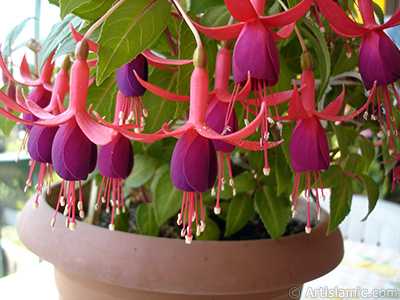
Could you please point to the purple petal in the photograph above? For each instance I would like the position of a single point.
(255, 51)
(309, 148)
(40, 143)
(215, 117)
(199, 164)
(74, 155)
(126, 79)
(177, 167)
(116, 158)
(41, 97)
(378, 59)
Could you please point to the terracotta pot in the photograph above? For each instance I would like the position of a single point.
(95, 263)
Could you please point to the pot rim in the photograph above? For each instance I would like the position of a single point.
(162, 264)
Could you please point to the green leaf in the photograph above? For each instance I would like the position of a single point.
(121, 221)
(6, 126)
(332, 177)
(12, 36)
(211, 233)
(372, 191)
(388, 162)
(283, 171)
(200, 6)
(68, 6)
(128, 31)
(273, 211)
(57, 34)
(69, 43)
(244, 182)
(160, 110)
(167, 199)
(340, 203)
(318, 42)
(240, 210)
(187, 45)
(344, 151)
(143, 170)
(354, 163)
(102, 97)
(146, 220)
(379, 13)
(344, 63)
(367, 149)
(93, 9)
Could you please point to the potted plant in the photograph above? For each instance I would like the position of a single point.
(214, 105)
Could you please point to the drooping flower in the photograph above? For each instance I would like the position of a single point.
(378, 57)
(115, 163)
(132, 89)
(309, 150)
(41, 93)
(76, 111)
(74, 158)
(41, 138)
(193, 170)
(196, 135)
(255, 53)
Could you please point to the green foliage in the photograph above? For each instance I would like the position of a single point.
(160, 110)
(146, 220)
(317, 40)
(241, 208)
(358, 163)
(68, 6)
(167, 199)
(12, 36)
(102, 97)
(58, 33)
(143, 170)
(340, 203)
(118, 43)
(273, 210)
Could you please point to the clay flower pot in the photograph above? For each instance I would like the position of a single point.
(95, 263)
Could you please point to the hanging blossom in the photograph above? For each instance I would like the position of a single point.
(41, 93)
(378, 57)
(309, 150)
(74, 151)
(115, 164)
(221, 117)
(132, 90)
(220, 114)
(256, 53)
(41, 138)
(196, 131)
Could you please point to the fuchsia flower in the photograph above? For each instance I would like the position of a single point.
(76, 111)
(115, 163)
(378, 57)
(309, 149)
(255, 53)
(41, 94)
(221, 117)
(132, 89)
(198, 132)
(193, 170)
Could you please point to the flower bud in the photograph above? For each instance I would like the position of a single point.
(199, 58)
(306, 61)
(82, 50)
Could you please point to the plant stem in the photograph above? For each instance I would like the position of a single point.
(301, 40)
(188, 22)
(102, 19)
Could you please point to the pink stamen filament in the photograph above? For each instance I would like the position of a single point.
(228, 161)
